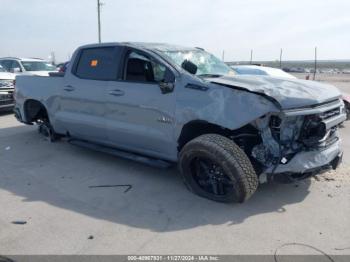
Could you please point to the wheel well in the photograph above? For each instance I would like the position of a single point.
(197, 128)
(34, 111)
(245, 137)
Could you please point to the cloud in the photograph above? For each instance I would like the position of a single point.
(37, 27)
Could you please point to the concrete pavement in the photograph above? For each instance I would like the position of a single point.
(47, 185)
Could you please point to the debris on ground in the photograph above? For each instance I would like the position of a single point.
(342, 174)
(321, 252)
(345, 248)
(128, 187)
(7, 148)
(329, 195)
(91, 237)
(19, 222)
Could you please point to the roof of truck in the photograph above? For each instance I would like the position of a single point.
(153, 46)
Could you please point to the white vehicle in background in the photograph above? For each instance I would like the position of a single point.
(275, 72)
(27, 66)
(261, 70)
(7, 81)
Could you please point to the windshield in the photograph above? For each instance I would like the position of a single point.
(208, 65)
(38, 66)
(2, 69)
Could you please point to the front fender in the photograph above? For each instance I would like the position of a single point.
(221, 106)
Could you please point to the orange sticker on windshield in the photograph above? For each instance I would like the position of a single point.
(94, 63)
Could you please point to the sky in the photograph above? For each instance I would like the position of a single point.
(35, 28)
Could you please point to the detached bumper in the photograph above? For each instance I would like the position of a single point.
(307, 163)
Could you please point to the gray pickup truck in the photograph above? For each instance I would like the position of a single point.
(162, 104)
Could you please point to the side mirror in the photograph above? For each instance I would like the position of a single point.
(189, 67)
(167, 85)
(15, 70)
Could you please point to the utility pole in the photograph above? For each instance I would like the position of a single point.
(315, 68)
(281, 58)
(223, 55)
(251, 56)
(99, 4)
(53, 57)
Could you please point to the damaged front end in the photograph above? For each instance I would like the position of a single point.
(299, 143)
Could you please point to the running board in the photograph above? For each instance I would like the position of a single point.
(120, 153)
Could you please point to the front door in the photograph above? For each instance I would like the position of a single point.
(139, 116)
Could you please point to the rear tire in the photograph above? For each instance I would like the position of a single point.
(46, 129)
(214, 167)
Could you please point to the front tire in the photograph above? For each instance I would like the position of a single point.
(214, 167)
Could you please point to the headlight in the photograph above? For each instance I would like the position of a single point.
(6, 83)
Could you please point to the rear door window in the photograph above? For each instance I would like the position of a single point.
(99, 63)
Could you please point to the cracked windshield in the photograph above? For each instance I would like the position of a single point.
(208, 65)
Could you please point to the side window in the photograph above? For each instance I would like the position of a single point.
(99, 63)
(15, 64)
(6, 64)
(140, 68)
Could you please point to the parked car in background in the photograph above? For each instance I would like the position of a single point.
(260, 70)
(7, 81)
(27, 66)
(346, 99)
(62, 67)
(275, 72)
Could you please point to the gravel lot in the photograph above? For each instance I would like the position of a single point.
(47, 185)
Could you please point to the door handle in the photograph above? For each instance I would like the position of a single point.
(116, 92)
(69, 88)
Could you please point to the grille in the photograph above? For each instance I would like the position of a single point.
(330, 113)
(6, 83)
(6, 102)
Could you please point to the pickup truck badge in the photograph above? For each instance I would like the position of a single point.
(164, 119)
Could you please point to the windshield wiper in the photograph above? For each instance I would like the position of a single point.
(210, 75)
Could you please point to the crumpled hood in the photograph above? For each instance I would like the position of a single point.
(289, 93)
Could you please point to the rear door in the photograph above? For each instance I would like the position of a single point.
(139, 116)
(82, 100)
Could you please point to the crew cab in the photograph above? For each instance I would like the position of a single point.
(163, 104)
